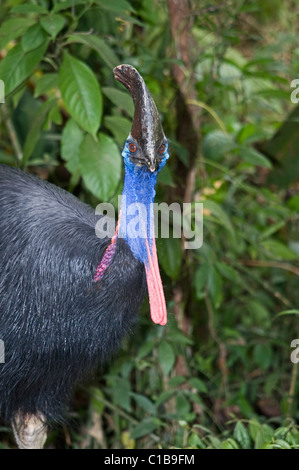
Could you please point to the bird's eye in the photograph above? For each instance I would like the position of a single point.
(132, 147)
(162, 149)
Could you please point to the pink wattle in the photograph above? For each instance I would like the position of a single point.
(108, 255)
(154, 286)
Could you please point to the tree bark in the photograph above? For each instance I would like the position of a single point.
(188, 115)
(188, 120)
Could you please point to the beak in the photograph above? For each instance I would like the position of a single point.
(146, 127)
(152, 167)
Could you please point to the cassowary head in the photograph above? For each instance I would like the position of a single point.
(146, 145)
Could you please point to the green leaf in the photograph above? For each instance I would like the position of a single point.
(54, 117)
(176, 381)
(7, 159)
(119, 127)
(258, 314)
(105, 52)
(143, 428)
(36, 129)
(18, 65)
(195, 442)
(228, 272)
(262, 354)
(293, 202)
(272, 229)
(278, 250)
(214, 285)
(254, 157)
(216, 144)
(29, 8)
(220, 214)
(242, 436)
(144, 402)
(166, 357)
(293, 438)
(71, 139)
(13, 28)
(34, 37)
(254, 427)
(278, 444)
(146, 348)
(100, 164)
(288, 312)
(170, 256)
(182, 405)
(53, 24)
(97, 398)
(45, 84)
(164, 396)
(81, 93)
(229, 444)
(121, 393)
(165, 177)
(247, 133)
(65, 4)
(178, 337)
(116, 6)
(245, 407)
(263, 436)
(198, 384)
(200, 280)
(274, 93)
(120, 99)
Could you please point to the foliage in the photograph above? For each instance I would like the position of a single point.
(219, 375)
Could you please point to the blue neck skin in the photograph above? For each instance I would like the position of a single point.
(137, 222)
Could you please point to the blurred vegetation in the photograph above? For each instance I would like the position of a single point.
(219, 375)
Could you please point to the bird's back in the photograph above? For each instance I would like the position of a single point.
(55, 321)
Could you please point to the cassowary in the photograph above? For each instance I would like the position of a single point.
(68, 296)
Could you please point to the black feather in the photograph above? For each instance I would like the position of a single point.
(57, 324)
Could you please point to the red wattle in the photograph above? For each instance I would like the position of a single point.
(154, 286)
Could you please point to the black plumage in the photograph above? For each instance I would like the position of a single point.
(56, 322)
